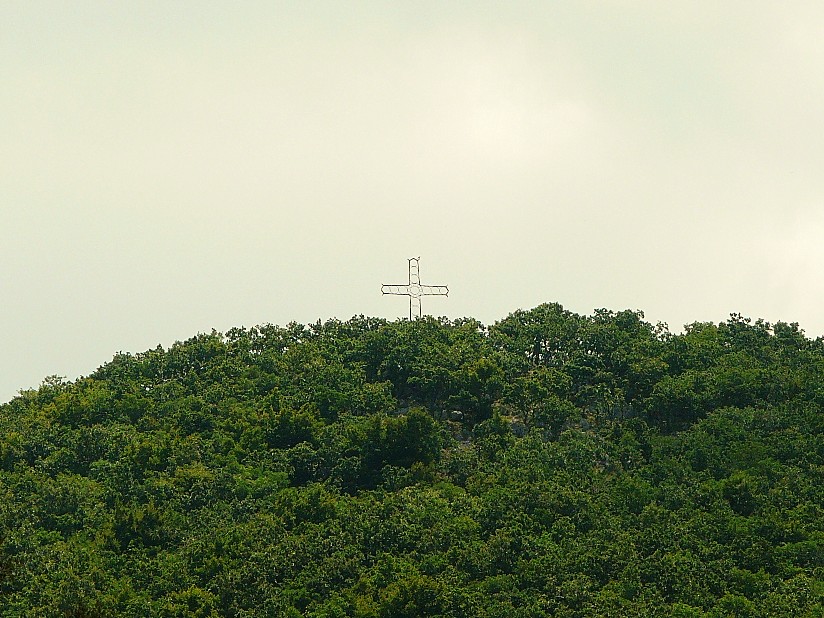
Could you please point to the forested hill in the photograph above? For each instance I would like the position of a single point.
(551, 464)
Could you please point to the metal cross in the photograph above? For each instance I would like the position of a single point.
(414, 290)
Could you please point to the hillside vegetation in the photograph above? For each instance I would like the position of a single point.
(551, 464)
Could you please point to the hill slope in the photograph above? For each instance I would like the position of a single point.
(552, 464)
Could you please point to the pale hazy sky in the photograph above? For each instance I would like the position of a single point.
(171, 167)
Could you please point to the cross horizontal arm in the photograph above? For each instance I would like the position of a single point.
(415, 290)
(434, 290)
(402, 290)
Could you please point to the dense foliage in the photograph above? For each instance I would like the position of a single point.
(551, 464)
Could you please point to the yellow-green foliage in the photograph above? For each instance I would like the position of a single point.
(551, 464)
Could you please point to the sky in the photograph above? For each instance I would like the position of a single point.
(173, 167)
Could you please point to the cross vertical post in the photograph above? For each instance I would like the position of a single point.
(414, 289)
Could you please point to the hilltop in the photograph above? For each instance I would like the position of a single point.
(551, 464)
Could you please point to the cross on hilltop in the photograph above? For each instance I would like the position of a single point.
(414, 289)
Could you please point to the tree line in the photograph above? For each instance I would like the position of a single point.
(551, 464)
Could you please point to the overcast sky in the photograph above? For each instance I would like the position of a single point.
(167, 168)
